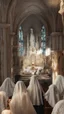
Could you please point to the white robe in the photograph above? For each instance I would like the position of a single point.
(55, 91)
(35, 91)
(20, 103)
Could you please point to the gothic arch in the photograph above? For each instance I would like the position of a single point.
(39, 18)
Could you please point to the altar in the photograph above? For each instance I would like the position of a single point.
(34, 62)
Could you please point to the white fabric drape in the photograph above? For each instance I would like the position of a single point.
(59, 83)
(35, 91)
(55, 91)
(20, 103)
(8, 87)
(59, 108)
(3, 101)
(19, 88)
(52, 95)
(6, 112)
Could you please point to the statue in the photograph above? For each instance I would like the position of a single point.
(32, 39)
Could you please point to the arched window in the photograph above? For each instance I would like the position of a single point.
(43, 39)
(21, 43)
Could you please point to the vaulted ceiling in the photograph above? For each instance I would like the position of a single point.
(17, 11)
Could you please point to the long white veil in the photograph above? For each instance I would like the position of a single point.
(35, 91)
(52, 95)
(8, 87)
(20, 103)
(55, 91)
(19, 88)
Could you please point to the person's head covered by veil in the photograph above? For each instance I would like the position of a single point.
(58, 108)
(3, 101)
(8, 87)
(35, 91)
(19, 88)
(20, 103)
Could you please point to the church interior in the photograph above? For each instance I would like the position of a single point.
(31, 56)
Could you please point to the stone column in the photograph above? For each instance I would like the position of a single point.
(48, 42)
(15, 56)
(57, 41)
(5, 50)
(39, 39)
(12, 35)
(1, 43)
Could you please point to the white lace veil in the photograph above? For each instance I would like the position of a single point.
(20, 103)
(19, 88)
(8, 87)
(35, 91)
(59, 108)
(3, 101)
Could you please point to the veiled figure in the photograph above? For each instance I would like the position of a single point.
(8, 87)
(55, 91)
(59, 108)
(36, 95)
(35, 91)
(52, 95)
(3, 101)
(20, 103)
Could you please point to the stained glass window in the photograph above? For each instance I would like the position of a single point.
(20, 47)
(43, 39)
